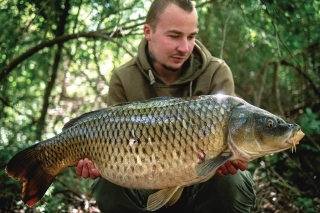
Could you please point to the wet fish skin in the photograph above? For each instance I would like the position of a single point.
(163, 143)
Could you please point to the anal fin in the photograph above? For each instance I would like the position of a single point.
(164, 197)
(175, 197)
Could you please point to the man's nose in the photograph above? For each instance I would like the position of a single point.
(183, 45)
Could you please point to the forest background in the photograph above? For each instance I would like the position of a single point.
(57, 56)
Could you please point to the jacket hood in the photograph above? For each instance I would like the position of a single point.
(197, 62)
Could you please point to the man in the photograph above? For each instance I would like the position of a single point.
(171, 62)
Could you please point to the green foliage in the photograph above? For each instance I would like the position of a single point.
(310, 123)
(308, 205)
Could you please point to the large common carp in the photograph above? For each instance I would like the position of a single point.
(162, 143)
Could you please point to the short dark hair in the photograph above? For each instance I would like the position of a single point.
(158, 6)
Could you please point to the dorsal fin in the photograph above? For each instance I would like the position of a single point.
(163, 98)
(81, 118)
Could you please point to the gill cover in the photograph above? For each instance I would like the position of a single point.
(254, 132)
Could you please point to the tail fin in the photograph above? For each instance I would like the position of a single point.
(25, 166)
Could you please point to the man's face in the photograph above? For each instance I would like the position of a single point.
(173, 40)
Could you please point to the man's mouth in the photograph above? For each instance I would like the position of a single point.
(178, 59)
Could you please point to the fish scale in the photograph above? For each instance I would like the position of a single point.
(162, 143)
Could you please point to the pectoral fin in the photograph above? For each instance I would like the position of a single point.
(206, 167)
(162, 197)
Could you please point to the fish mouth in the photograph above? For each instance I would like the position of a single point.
(294, 139)
(248, 155)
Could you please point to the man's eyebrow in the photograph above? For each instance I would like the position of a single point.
(179, 32)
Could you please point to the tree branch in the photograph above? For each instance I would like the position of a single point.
(304, 75)
(224, 34)
(263, 81)
(46, 97)
(60, 39)
(276, 87)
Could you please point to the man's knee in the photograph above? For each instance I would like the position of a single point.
(231, 193)
(101, 191)
(113, 198)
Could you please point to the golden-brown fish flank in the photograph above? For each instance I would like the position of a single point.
(162, 143)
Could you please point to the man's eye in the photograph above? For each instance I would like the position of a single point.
(174, 36)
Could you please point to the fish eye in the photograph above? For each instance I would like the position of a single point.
(270, 123)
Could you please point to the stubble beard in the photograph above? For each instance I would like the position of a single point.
(172, 69)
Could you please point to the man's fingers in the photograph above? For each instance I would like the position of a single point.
(230, 167)
(242, 165)
(85, 169)
(79, 168)
(219, 173)
(94, 174)
(224, 170)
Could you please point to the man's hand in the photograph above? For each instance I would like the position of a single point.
(231, 167)
(85, 169)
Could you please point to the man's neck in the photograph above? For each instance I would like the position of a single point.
(167, 76)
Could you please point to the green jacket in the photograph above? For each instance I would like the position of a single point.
(204, 75)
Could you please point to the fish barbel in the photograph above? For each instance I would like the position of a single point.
(161, 143)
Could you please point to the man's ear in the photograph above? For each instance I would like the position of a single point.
(147, 31)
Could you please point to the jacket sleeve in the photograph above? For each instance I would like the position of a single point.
(222, 80)
(116, 92)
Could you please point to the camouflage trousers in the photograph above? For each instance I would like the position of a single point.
(230, 193)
